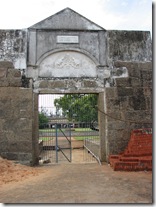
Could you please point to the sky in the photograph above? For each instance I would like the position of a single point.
(46, 103)
(109, 14)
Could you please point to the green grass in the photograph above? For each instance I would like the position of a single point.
(64, 129)
(46, 138)
(82, 138)
(83, 130)
(47, 130)
(79, 138)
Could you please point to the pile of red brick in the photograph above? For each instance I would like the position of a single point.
(138, 154)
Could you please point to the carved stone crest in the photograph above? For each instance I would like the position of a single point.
(68, 62)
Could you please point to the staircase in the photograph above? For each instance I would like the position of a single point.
(138, 154)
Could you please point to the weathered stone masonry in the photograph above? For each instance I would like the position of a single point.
(130, 102)
(15, 115)
(13, 47)
(58, 55)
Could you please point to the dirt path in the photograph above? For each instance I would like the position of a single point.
(80, 183)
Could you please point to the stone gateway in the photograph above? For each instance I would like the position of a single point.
(67, 53)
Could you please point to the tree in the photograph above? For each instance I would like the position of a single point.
(43, 119)
(78, 107)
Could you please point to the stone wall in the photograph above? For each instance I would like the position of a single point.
(16, 107)
(13, 47)
(129, 45)
(128, 105)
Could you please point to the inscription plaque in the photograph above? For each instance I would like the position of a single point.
(67, 39)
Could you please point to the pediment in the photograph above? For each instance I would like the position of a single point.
(67, 19)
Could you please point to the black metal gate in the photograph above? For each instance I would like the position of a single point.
(68, 130)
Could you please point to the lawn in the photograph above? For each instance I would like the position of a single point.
(46, 138)
(63, 129)
(83, 130)
(47, 130)
(81, 138)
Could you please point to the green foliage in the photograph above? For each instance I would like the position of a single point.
(78, 107)
(43, 119)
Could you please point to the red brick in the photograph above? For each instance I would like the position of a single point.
(137, 156)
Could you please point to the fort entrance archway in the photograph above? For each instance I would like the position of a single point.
(70, 62)
(60, 56)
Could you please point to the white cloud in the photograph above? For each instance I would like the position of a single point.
(110, 14)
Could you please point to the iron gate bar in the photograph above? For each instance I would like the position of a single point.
(56, 143)
(64, 154)
(60, 148)
(65, 135)
(70, 143)
(98, 159)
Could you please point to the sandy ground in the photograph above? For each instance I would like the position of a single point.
(12, 173)
(73, 183)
